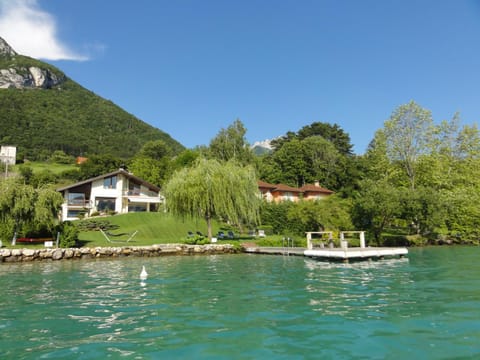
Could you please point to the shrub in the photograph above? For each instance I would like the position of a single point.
(196, 240)
(68, 235)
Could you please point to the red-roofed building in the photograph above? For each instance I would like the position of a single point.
(282, 192)
(266, 190)
(315, 191)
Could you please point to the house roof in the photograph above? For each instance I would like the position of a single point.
(307, 188)
(263, 184)
(283, 187)
(117, 172)
(315, 188)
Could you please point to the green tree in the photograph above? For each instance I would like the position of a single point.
(48, 204)
(276, 215)
(298, 162)
(185, 158)
(59, 157)
(291, 166)
(154, 171)
(230, 144)
(24, 209)
(332, 213)
(211, 189)
(97, 165)
(332, 133)
(408, 134)
(155, 149)
(153, 162)
(376, 206)
(17, 207)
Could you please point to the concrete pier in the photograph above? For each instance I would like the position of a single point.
(322, 248)
(342, 254)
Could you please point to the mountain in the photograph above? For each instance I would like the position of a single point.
(262, 147)
(42, 110)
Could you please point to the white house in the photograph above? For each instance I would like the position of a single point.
(118, 191)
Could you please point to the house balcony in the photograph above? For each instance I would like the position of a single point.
(79, 204)
(142, 196)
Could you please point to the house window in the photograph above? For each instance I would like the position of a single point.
(110, 182)
(287, 195)
(105, 204)
(76, 199)
(133, 189)
(137, 207)
(75, 214)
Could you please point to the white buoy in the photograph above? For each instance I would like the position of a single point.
(143, 274)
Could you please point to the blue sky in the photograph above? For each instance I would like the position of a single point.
(191, 67)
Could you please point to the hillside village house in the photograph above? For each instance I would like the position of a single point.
(118, 191)
(280, 192)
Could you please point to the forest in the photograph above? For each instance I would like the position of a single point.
(416, 184)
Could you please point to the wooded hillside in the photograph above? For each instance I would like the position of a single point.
(42, 110)
(74, 120)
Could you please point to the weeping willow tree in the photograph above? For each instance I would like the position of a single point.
(211, 189)
(24, 208)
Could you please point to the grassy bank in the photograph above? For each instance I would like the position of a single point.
(153, 228)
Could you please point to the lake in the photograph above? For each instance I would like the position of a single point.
(244, 307)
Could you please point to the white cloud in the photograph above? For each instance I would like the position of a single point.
(33, 32)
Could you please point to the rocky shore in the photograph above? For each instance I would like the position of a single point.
(18, 255)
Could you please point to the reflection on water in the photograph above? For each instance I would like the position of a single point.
(356, 290)
(242, 306)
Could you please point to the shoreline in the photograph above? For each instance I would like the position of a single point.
(55, 254)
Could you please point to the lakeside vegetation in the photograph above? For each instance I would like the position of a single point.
(417, 183)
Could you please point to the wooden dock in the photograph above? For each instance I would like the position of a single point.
(296, 251)
(354, 253)
(342, 253)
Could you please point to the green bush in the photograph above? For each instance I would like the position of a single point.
(95, 225)
(68, 235)
(196, 240)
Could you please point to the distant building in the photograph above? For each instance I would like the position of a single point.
(80, 160)
(280, 192)
(8, 154)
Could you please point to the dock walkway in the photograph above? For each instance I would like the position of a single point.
(343, 254)
(316, 248)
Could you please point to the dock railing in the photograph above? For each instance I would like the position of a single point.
(311, 241)
(343, 242)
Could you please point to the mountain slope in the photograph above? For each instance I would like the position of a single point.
(42, 110)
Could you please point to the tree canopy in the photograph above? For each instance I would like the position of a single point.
(25, 209)
(230, 144)
(212, 189)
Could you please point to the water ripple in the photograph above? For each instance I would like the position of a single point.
(245, 307)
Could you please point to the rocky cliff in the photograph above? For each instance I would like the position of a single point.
(17, 73)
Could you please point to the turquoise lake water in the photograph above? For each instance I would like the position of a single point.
(426, 306)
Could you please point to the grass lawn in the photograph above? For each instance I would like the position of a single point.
(38, 167)
(153, 228)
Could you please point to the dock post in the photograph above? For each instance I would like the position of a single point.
(309, 241)
(362, 239)
(343, 243)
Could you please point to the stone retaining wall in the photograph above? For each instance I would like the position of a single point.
(16, 255)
